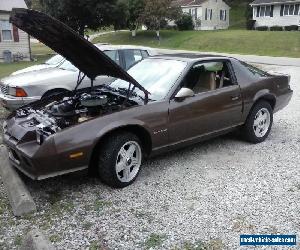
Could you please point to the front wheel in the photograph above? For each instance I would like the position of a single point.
(120, 160)
(259, 123)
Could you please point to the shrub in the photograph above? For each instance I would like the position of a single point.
(250, 24)
(185, 22)
(276, 28)
(291, 27)
(262, 28)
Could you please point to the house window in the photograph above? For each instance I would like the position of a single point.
(223, 15)
(194, 13)
(208, 14)
(291, 10)
(6, 30)
(265, 11)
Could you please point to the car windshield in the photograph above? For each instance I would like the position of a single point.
(69, 66)
(155, 75)
(54, 60)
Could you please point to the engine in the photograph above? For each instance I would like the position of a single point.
(70, 110)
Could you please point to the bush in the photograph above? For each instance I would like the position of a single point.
(262, 28)
(250, 24)
(276, 28)
(185, 22)
(291, 27)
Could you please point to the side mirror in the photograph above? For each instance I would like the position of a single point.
(184, 93)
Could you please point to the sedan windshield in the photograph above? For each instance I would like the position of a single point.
(155, 75)
(54, 60)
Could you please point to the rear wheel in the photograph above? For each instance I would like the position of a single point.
(120, 159)
(259, 123)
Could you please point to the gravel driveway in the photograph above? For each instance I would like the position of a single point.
(200, 197)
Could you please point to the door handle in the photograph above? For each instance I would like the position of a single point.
(235, 98)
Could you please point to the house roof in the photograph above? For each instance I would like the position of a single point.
(258, 2)
(7, 5)
(188, 2)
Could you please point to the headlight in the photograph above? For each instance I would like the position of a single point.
(39, 137)
(17, 92)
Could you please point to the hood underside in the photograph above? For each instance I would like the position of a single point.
(66, 42)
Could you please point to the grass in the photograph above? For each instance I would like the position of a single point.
(40, 54)
(154, 241)
(270, 43)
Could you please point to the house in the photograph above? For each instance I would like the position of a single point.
(12, 39)
(276, 12)
(206, 14)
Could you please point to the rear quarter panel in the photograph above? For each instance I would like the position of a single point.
(254, 88)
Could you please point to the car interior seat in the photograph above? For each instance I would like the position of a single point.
(206, 82)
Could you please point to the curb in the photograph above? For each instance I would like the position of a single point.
(19, 197)
(35, 240)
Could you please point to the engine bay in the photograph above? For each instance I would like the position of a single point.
(61, 112)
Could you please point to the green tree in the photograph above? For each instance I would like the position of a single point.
(120, 14)
(156, 11)
(185, 22)
(81, 14)
(136, 10)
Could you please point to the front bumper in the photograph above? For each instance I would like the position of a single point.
(12, 103)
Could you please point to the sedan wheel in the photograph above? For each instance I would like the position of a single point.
(259, 122)
(120, 159)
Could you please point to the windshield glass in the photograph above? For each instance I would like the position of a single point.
(68, 66)
(54, 60)
(155, 75)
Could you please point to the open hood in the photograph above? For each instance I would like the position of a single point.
(66, 42)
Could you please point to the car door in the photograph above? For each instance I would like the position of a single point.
(208, 111)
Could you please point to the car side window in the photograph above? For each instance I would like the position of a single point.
(132, 56)
(207, 76)
(114, 55)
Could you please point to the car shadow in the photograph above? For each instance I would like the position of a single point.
(79, 180)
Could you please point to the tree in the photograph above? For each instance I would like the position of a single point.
(120, 14)
(249, 19)
(81, 14)
(136, 10)
(158, 10)
(185, 22)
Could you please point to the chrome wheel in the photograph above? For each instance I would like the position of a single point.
(262, 122)
(128, 161)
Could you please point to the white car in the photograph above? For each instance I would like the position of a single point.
(21, 89)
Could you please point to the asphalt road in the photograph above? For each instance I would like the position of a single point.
(201, 196)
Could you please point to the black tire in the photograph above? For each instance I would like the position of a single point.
(108, 154)
(248, 131)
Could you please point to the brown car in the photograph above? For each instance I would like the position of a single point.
(162, 103)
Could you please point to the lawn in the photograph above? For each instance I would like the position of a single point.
(40, 54)
(270, 43)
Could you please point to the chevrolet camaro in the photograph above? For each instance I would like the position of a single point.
(162, 103)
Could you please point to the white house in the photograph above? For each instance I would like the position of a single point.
(276, 12)
(207, 14)
(11, 38)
